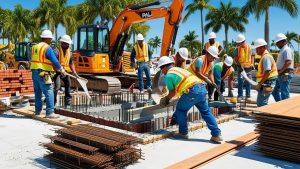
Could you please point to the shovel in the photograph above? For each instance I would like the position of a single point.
(221, 95)
(82, 82)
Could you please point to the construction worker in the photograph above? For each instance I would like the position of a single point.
(64, 57)
(221, 71)
(142, 54)
(180, 58)
(245, 61)
(42, 61)
(212, 42)
(191, 91)
(201, 66)
(285, 66)
(266, 75)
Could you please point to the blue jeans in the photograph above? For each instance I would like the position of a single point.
(39, 88)
(197, 97)
(241, 83)
(282, 87)
(263, 95)
(144, 67)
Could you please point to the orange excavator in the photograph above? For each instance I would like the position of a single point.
(100, 55)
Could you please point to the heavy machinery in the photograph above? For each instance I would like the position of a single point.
(18, 58)
(99, 55)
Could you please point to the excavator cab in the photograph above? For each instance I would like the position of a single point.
(23, 51)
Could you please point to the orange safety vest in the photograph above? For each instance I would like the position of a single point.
(228, 72)
(244, 56)
(207, 45)
(64, 59)
(205, 67)
(260, 68)
(187, 80)
(39, 59)
(141, 54)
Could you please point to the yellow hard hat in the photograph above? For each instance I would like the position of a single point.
(233, 100)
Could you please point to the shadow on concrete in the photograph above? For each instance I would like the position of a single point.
(249, 152)
(43, 162)
(246, 120)
(9, 116)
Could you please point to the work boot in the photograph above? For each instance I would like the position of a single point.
(149, 90)
(52, 116)
(239, 99)
(142, 92)
(216, 139)
(180, 136)
(248, 100)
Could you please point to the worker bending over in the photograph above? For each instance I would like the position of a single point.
(285, 66)
(142, 54)
(191, 91)
(180, 58)
(42, 61)
(64, 56)
(221, 71)
(266, 73)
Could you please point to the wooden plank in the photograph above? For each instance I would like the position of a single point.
(214, 153)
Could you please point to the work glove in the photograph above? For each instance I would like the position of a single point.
(164, 101)
(76, 75)
(210, 83)
(63, 72)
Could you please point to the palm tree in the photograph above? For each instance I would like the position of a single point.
(273, 44)
(227, 16)
(155, 42)
(193, 7)
(16, 23)
(297, 40)
(54, 12)
(259, 7)
(190, 41)
(289, 37)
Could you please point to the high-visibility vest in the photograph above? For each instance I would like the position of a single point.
(207, 45)
(227, 73)
(244, 56)
(205, 67)
(39, 59)
(64, 59)
(141, 54)
(260, 68)
(187, 80)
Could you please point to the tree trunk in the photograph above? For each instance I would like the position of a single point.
(133, 38)
(267, 27)
(226, 39)
(202, 30)
(56, 26)
(299, 52)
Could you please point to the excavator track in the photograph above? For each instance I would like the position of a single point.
(105, 84)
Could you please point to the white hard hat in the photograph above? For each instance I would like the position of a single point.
(212, 35)
(47, 34)
(140, 37)
(279, 37)
(164, 60)
(258, 43)
(213, 51)
(228, 61)
(66, 38)
(184, 53)
(240, 38)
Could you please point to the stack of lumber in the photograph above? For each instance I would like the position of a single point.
(15, 82)
(279, 128)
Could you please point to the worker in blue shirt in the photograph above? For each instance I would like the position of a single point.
(142, 54)
(42, 61)
(221, 71)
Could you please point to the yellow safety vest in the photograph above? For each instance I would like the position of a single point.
(205, 67)
(187, 80)
(228, 72)
(244, 56)
(64, 60)
(260, 68)
(207, 45)
(141, 54)
(39, 59)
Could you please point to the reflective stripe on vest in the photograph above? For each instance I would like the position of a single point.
(228, 72)
(244, 56)
(187, 80)
(205, 67)
(64, 60)
(141, 54)
(39, 59)
(260, 68)
(207, 45)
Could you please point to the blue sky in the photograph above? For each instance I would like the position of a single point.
(280, 21)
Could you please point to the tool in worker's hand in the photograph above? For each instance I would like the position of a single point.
(244, 75)
(46, 77)
(82, 82)
(220, 94)
(156, 95)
